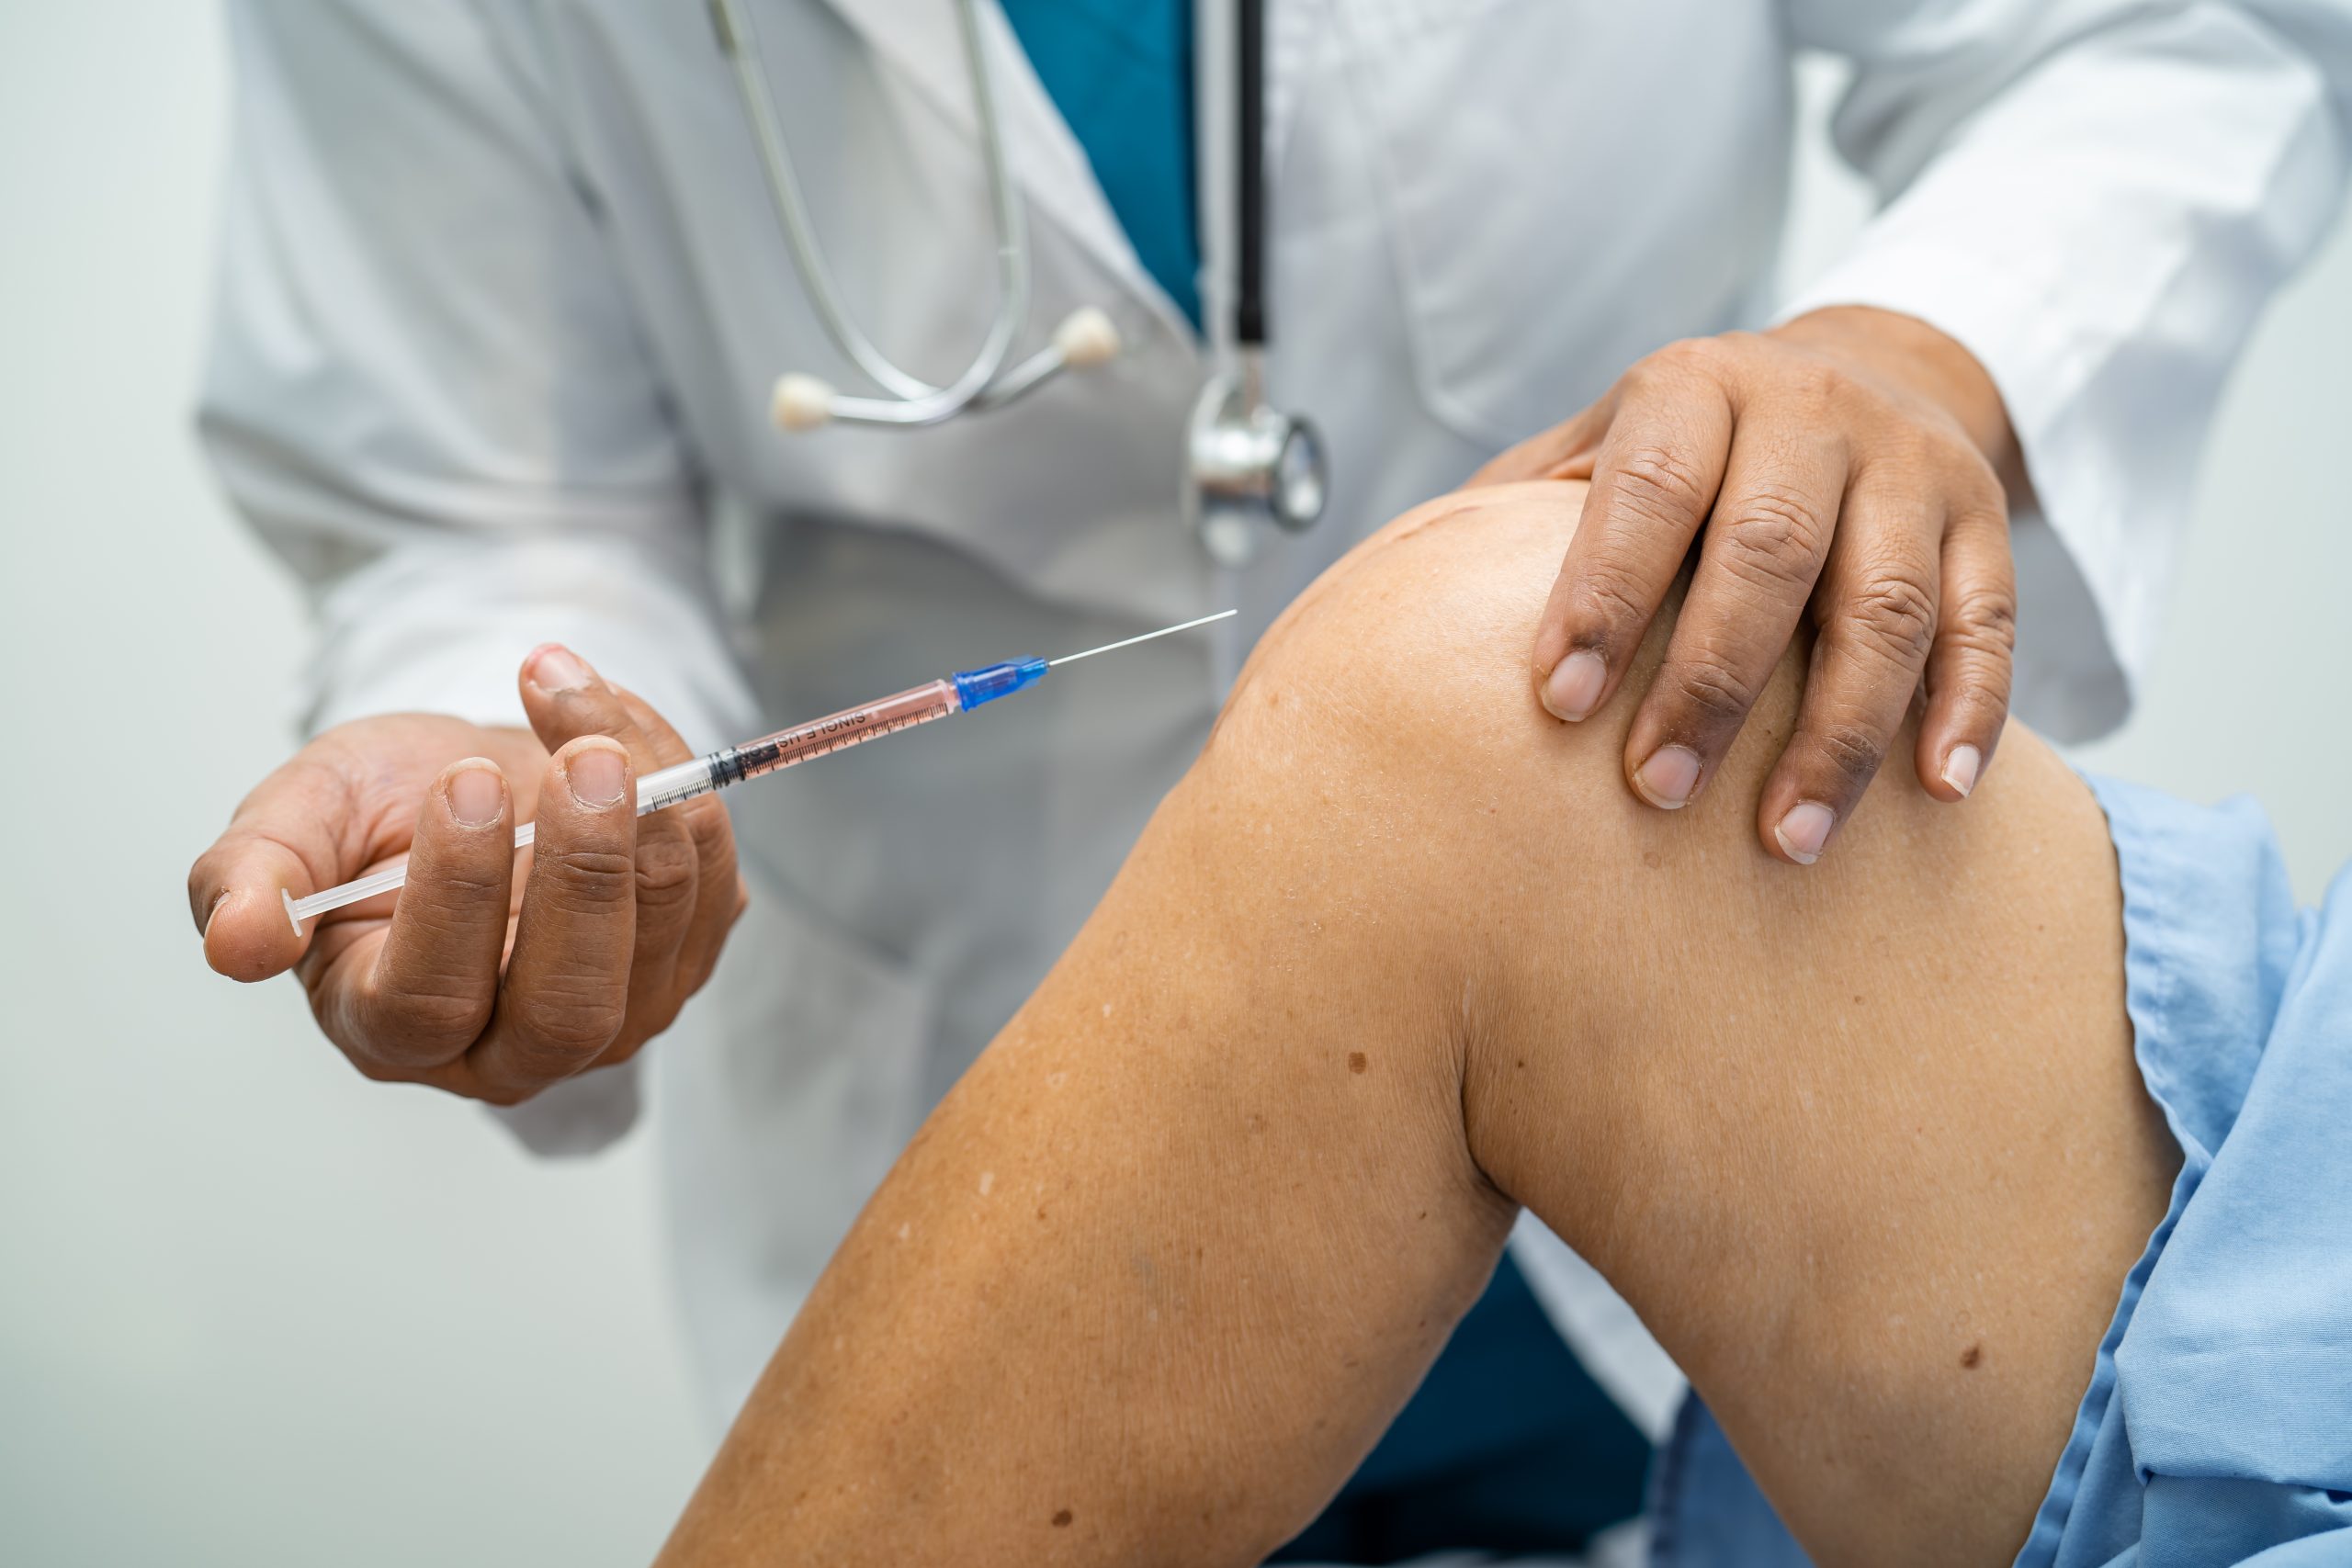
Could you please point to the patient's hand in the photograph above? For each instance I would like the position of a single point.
(1844, 465)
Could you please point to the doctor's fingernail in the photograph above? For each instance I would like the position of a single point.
(1961, 765)
(557, 669)
(596, 774)
(1805, 830)
(477, 795)
(1667, 778)
(1574, 686)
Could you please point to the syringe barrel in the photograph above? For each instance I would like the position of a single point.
(684, 781)
(834, 732)
(659, 790)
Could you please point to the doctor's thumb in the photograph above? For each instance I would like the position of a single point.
(233, 894)
(285, 840)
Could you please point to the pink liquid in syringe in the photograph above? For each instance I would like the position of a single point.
(839, 732)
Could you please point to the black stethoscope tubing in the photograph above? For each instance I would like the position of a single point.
(1250, 146)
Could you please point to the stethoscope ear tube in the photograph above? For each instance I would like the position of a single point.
(799, 402)
(1249, 182)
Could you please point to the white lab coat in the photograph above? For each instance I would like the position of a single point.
(502, 299)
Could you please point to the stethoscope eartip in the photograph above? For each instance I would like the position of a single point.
(801, 403)
(1087, 337)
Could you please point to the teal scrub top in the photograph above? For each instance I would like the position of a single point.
(1120, 73)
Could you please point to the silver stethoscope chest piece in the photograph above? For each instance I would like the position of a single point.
(1251, 470)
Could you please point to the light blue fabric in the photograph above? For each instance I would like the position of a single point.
(1704, 1508)
(2218, 1425)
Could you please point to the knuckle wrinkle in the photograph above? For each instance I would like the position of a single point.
(1659, 486)
(591, 878)
(560, 1021)
(1714, 689)
(1852, 750)
(1774, 540)
(666, 873)
(1609, 598)
(1987, 618)
(1895, 615)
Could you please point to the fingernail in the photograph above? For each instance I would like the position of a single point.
(1804, 830)
(1574, 685)
(557, 669)
(1669, 777)
(1962, 764)
(477, 795)
(596, 775)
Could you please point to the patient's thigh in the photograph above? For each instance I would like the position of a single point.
(1863, 1142)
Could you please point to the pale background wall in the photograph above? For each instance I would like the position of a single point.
(255, 1311)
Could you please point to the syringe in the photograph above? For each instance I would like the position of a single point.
(958, 692)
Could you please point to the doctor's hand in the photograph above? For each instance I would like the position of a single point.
(493, 975)
(1844, 467)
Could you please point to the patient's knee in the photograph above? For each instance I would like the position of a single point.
(1389, 735)
(1393, 709)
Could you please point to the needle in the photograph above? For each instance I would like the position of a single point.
(1164, 631)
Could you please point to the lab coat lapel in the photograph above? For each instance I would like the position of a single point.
(1292, 30)
(922, 39)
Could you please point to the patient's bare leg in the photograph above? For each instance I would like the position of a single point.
(1863, 1143)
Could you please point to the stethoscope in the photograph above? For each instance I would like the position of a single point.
(1250, 468)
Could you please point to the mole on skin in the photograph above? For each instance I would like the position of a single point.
(1355, 1061)
(1970, 1356)
(1061, 1518)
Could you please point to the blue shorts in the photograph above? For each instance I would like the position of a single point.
(2218, 1425)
